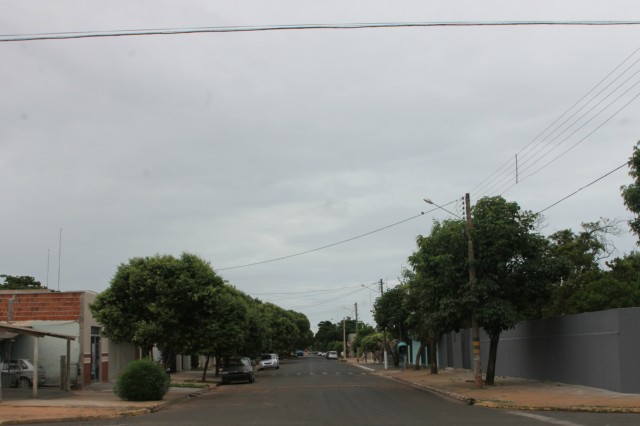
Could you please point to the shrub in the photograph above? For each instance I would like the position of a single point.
(142, 380)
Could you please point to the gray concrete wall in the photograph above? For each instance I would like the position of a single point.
(597, 349)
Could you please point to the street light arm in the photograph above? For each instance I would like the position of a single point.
(428, 201)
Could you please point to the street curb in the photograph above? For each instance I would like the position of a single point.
(106, 416)
(435, 390)
(570, 408)
(112, 414)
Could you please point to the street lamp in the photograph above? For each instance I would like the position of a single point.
(428, 201)
(475, 329)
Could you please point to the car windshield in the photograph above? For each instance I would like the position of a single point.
(236, 362)
(268, 356)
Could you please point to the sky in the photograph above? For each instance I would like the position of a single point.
(275, 155)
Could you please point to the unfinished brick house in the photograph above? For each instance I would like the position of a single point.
(65, 313)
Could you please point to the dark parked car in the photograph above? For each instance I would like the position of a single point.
(237, 369)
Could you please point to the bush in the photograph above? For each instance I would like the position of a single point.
(142, 380)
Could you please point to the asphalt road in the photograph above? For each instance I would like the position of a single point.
(314, 391)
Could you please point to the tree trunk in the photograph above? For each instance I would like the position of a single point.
(217, 366)
(433, 364)
(204, 373)
(420, 352)
(491, 364)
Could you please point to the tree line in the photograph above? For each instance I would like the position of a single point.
(520, 273)
(181, 306)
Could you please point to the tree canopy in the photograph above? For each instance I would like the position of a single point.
(20, 283)
(631, 192)
(159, 300)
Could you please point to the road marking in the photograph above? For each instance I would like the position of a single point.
(544, 418)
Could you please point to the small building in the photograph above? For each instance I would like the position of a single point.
(65, 313)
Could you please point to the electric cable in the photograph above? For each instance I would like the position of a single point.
(347, 26)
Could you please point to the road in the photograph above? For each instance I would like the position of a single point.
(314, 391)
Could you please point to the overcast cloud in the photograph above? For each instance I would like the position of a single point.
(247, 147)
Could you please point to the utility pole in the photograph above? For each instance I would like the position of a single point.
(475, 330)
(344, 340)
(357, 355)
(384, 331)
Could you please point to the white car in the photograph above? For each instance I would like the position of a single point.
(19, 373)
(269, 361)
(332, 355)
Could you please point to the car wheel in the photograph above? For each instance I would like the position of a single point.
(24, 383)
(252, 379)
(278, 367)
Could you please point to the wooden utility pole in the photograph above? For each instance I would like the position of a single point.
(356, 349)
(384, 331)
(475, 329)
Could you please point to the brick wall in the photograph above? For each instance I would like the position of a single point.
(40, 306)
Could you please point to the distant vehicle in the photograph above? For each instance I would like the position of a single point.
(299, 353)
(269, 361)
(332, 355)
(237, 369)
(19, 373)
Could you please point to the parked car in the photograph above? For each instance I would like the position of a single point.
(19, 373)
(332, 355)
(269, 361)
(237, 369)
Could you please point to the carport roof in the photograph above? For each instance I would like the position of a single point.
(32, 331)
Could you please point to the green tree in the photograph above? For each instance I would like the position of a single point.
(389, 312)
(582, 255)
(20, 283)
(159, 300)
(438, 296)
(304, 337)
(327, 333)
(631, 192)
(225, 332)
(514, 269)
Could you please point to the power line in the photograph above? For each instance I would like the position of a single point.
(346, 26)
(586, 186)
(323, 247)
(545, 143)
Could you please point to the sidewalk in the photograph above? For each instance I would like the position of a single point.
(512, 393)
(99, 401)
(96, 401)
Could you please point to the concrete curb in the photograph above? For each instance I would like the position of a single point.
(571, 408)
(113, 413)
(512, 406)
(435, 390)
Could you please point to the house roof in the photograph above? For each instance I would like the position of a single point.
(5, 327)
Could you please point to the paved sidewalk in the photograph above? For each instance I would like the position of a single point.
(512, 393)
(99, 401)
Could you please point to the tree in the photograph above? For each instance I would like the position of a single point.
(304, 337)
(326, 334)
(631, 192)
(159, 300)
(20, 283)
(389, 312)
(514, 269)
(581, 255)
(437, 293)
(225, 332)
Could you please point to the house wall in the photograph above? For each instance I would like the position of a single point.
(57, 312)
(29, 305)
(597, 349)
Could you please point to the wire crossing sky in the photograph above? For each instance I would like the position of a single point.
(351, 26)
(214, 129)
